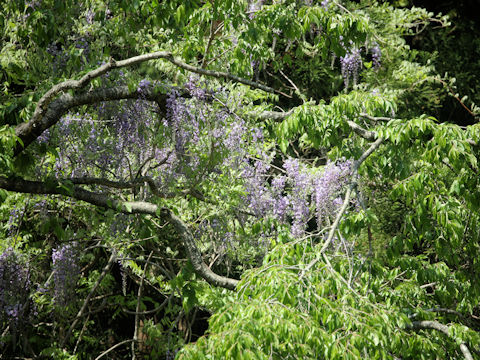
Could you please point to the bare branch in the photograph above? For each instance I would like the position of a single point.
(223, 75)
(373, 118)
(435, 325)
(122, 184)
(346, 201)
(113, 348)
(137, 310)
(194, 254)
(47, 98)
(29, 131)
(367, 135)
(56, 187)
(87, 299)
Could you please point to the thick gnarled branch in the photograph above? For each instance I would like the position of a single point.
(435, 325)
(28, 132)
(54, 187)
(48, 110)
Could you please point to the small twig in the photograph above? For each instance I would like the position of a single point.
(113, 348)
(137, 310)
(81, 334)
(299, 93)
(435, 325)
(346, 201)
(149, 312)
(210, 39)
(87, 299)
(454, 95)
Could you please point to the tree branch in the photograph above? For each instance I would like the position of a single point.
(29, 131)
(346, 201)
(137, 309)
(56, 187)
(373, 118)
(435, 325)
(113, 348)
(87, 299)
(122, 184)
(78, 84)
(48, 111)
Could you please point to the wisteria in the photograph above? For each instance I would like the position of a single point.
(254, 6)
(13, 220)
(300, 181)
(307, 190)
(65, 272)
(351, 64)
(376, 56)
(14, 289)
(89, 16)
(327, 189)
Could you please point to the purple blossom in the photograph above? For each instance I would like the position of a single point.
(194, 89)
(14, 289)
(143, 85)
(351, 65)
(66, 272)
(89, 16)
(254, 7)
(13, 220)
(44, 137)
(327, 188)
(376, 56)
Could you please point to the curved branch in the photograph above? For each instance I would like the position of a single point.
(56, 187)
(224, 75)
(48, 110)
(78, 84)
(29, 131)
(194, 254)
(353, 184)
(435, 325)
(87, 299)
(86, 180)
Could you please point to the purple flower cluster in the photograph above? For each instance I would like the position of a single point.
(253, 7)
(14, 289)
(259, 198)
(60, 56)
(300, 181)
(290, 198)
(376, 56)
(194, 89)
(83, 45)
(143, 85)
(327, 189)
(66, 273)
(44, 137)
(351, 65)
(89, 16)
(13, 221)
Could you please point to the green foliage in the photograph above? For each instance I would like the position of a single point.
(406, 248)
(281, 312)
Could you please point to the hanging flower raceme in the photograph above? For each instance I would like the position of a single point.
(14, 289)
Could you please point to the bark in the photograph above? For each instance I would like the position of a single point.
(65, 188)
(435, 325)
(28, 132)
(49, 110)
